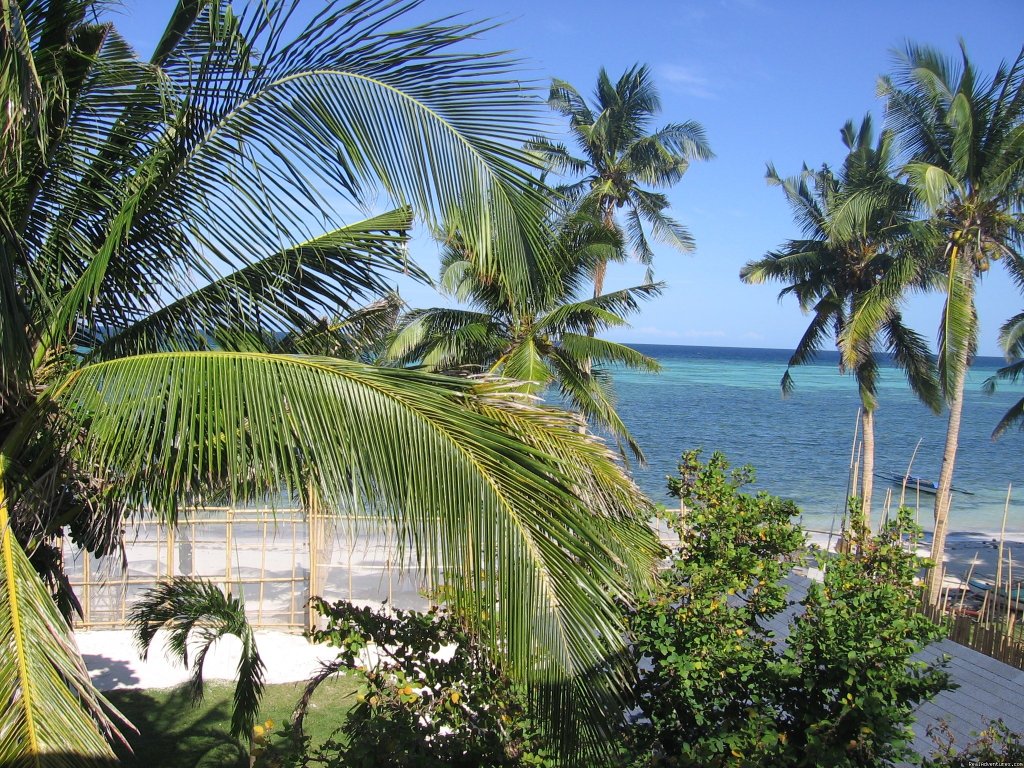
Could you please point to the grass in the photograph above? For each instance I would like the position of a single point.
(174, 733)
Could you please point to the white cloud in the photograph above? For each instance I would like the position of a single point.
(650, 330)
(704, 334)
(686, 80)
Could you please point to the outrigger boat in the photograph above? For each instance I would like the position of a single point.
(916, 483)
(1015, 593)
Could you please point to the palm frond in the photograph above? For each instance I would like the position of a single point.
(1011, 336)
(601, 352)
(1015, 414)
(809, 346)
(52, 714)
(330, 272)
(957, 336)
(248, 135)
(566, 100)
(605, 311)
(665, 229)
(525, 363)
(910, 351)
(932, 184)
(446, 339)
(359, 335)
(555, 156)
(516, 506)
(591, 397)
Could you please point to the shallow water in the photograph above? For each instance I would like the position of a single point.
(729, 399)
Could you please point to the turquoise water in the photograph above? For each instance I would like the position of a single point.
(728, 399)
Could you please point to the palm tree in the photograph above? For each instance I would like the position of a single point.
(620, 156)
(830, 275)
(963, 137)
(539, 338)
(159, 218)
(197, 612)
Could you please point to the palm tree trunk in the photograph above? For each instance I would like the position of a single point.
(608, 220)
(599, 272)
(600, 269)
(944, 495)
(867, 419)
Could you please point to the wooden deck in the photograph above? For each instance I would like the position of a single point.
(987, 689)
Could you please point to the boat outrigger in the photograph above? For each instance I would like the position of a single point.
(916, 483)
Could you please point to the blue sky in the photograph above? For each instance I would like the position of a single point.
(770, 81)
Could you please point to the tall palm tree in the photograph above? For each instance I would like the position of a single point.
(830, 275)
(157, 219)
(539, 338)
(963, 138)
(619, 156)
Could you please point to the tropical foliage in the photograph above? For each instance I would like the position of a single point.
(722, 685)
(620, 155)
(1011, 336)
(846, 249)
(429, 695)
(540, 337)
(995, 744)
(162, 220)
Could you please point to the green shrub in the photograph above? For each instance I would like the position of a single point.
(430, 695)
(995, 745)
(716, 688)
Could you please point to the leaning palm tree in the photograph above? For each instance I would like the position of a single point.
(158, 219)
(830, 275)
(963, 137)
(196, 614)
(538, 338)
(620, 156)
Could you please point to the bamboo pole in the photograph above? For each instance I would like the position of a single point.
(1011, 599)
(910, 467)
(967, 583)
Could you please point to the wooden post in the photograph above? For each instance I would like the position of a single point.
(228, 538)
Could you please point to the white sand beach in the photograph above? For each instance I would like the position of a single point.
(114, 662)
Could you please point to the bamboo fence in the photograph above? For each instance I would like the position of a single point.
(274, 558)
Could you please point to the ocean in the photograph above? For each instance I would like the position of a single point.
(728, 399)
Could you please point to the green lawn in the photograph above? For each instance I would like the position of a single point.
(173, 733)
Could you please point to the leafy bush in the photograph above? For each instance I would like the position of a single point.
(431, 695)
(995, 745)
(717, 688)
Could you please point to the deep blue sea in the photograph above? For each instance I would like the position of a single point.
(729, 399)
